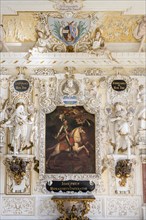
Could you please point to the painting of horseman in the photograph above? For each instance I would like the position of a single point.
(70, 141)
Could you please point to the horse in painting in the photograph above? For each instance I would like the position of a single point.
(64, 146)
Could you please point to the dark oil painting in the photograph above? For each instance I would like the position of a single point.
(70, 141)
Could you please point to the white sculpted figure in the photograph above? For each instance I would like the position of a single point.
(43, 43)
(141, 94)
(140, 33)
(70, 87)
(122, 123)
(18, 124)
(98, 45)
(92, 88)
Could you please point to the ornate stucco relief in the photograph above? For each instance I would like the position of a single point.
(123, 207)
(21, 27)
(18, 206)
(47, 207)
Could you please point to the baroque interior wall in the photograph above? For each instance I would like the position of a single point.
(96, 71)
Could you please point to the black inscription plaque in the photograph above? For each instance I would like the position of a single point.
(70, 185)
(21, 85)
(119, 85)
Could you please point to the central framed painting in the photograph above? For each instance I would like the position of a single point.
(70, 141)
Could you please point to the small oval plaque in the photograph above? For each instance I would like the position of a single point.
(21, 85)
(119, 85)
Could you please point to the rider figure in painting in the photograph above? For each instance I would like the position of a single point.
(65, 132)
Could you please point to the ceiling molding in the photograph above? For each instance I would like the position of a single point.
(127, 7)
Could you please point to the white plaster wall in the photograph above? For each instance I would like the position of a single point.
(108, 205)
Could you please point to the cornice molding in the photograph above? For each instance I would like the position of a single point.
(73, 59)
(127, 7)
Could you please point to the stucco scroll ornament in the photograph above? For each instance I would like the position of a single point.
(3, 119)
(92, 95)
(20, 124)
(141, 116)
(140, 33)
(45, 42)
(21, 84)
(120, 123)
(68, 5)
(47, 94)
(5, 111)
(122, 95)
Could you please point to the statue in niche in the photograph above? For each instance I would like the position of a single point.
(3, 45)
(140, 33)
(122, 121)
(98, 45)
(19, 123)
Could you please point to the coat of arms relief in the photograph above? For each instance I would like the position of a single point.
(69, 32)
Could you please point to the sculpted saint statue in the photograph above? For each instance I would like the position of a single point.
(18, 124)
(122, 123)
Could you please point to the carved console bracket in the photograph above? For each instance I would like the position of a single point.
(74, 213)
